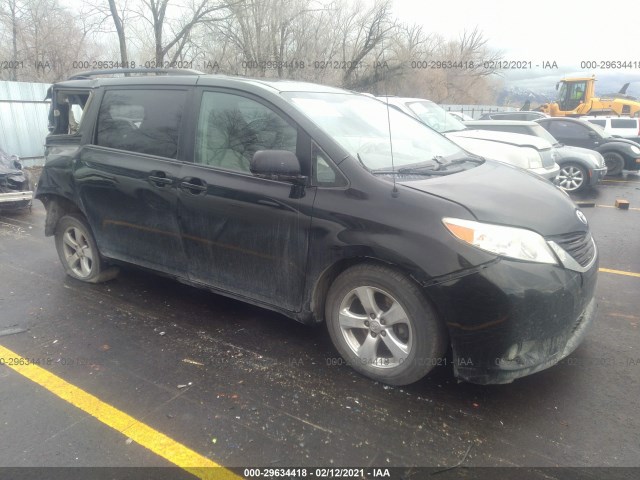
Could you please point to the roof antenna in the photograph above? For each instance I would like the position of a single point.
(394, 192)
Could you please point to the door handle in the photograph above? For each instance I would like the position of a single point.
(159, 179)
(193, 185)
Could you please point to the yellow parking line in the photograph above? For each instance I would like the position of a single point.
(140, 433)
(620, 272)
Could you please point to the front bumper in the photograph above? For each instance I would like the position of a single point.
(597, 174)
(550, 173)
(512, 319)
(14, 200)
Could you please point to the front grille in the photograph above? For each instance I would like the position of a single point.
(578, 245)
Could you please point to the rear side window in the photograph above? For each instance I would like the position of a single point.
(141, 121)
(66, 111)
(602, 123)
(623, 123)
(561, 129)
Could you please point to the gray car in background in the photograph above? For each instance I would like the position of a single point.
(579, 167)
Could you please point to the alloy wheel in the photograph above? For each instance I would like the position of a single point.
(375, 327)
(77, 252)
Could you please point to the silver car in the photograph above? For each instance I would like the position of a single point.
(525, 151)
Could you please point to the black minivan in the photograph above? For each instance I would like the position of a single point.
(321, 204)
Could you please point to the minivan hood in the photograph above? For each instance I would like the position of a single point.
(506, 195)
(516, 139)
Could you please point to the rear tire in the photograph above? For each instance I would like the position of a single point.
(78, 251)
(383, 326)
(614, 162)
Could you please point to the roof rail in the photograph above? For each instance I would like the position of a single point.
(145, 71)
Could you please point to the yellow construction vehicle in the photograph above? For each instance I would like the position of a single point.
(576, 97)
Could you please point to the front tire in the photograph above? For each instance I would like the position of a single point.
(614, 163)
(78, 251)
(572, 177)
(383, 326)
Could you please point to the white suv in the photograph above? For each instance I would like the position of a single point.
(625, 127)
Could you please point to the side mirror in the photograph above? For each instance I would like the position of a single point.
(592, 134)
(279, 165)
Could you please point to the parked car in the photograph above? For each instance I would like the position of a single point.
(16, 185)
(625, 127)
(521, 115)
(463, 117)
(579, 167)
(323, 204)
(524, 151)
(619, 153)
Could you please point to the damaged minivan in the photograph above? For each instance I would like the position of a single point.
(326, 206)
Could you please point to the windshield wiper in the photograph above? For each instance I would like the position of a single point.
(440, 161)
(429, 168)
(464, 160)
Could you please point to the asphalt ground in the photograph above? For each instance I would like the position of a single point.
(145, 372)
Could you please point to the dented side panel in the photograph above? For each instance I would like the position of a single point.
(132, 217)
(246, 235)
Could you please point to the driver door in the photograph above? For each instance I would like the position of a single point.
(244, 234)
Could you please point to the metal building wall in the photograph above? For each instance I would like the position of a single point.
(23, 120)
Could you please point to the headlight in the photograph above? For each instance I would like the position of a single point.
(635, 149)
(509, 242)
(533, 157)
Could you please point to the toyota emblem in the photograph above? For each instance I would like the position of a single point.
(581, 217)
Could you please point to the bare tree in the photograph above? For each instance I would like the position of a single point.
(171, 33)
(11, 16)
(119, 24)
(361, 34)
(39, 34)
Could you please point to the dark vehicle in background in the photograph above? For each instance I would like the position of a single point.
(287, 195)
(579, 167)
(16, 186)
(521, 115)
(619, 153)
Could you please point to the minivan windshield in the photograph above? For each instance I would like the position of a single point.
(367, 129)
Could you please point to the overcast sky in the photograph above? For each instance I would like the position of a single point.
(567, 31)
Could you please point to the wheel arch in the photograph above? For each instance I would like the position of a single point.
(604, 149)
(57, 207)
(329, 274)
